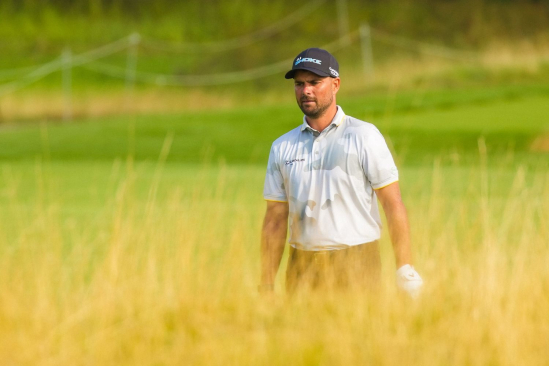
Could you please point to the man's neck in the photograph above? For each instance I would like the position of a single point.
(323, 121)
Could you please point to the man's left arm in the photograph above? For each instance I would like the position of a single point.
(399, 229)
(397, 220)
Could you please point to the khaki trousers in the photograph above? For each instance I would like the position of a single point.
(355, 268)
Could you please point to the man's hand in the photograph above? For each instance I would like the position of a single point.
(409, 280)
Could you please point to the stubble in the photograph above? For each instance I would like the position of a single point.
(320, 108)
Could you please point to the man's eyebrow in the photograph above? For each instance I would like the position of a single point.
(308, 80)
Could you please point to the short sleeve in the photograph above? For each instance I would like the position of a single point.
(378, 163)
(274, 189)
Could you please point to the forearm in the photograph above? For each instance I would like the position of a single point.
(273, 240)
(399, 229)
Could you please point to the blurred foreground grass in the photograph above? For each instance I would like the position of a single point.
(134, 240)
(131, 263)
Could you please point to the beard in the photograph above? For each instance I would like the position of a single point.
(317, 110)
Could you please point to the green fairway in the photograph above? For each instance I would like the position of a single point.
(80, 166)
(82, 163)
(418, 129)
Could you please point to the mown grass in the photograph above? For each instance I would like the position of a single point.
(417, 125)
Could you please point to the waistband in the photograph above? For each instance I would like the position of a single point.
(335, 252)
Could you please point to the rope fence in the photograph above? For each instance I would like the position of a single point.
(91, 60)
(211, 79)
(8, 74)
(34, 75)
(57, 64)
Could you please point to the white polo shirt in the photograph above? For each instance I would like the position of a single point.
(329, 180)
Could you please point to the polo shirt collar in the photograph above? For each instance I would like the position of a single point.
(337, 120)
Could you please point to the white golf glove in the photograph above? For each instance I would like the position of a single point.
(409, 280)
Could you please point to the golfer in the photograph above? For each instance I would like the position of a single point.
(324, 179)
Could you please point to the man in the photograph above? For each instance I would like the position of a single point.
(323, 178)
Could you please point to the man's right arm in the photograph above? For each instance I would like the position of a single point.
(273, 240)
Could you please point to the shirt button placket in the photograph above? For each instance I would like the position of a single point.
(316, 148)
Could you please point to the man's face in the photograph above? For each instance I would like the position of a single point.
(314, 94)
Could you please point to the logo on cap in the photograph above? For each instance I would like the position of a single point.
(333, 72)
(307, 59)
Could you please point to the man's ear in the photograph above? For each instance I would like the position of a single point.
(335, 85)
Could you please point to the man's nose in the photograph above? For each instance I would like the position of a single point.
(307, 89)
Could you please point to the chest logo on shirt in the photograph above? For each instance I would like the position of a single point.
(291, 162)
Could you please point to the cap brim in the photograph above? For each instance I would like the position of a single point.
(290, 74)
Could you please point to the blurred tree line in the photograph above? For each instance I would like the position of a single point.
(158, 7)
(29, 28)
(469, 22)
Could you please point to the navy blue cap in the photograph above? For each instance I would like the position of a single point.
(315, 60)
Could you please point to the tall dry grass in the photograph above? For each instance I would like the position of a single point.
(169, 277)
